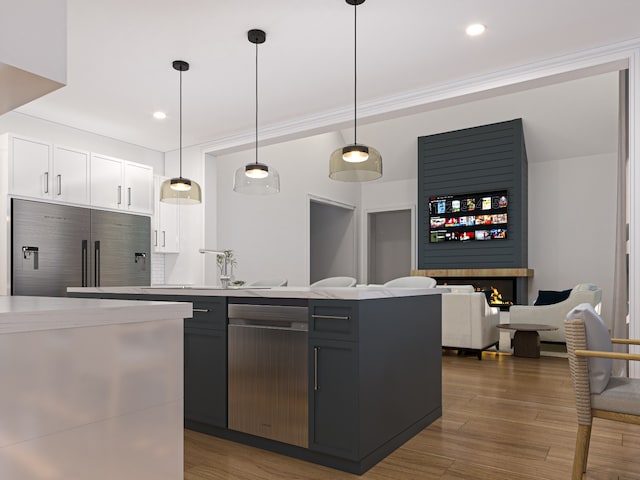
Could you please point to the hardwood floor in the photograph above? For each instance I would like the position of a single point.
(504, 418)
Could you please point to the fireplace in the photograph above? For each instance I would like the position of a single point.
(500, 292)
(502, 286)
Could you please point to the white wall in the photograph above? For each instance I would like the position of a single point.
(269, 234)
(187, 267)
(333, 246)
(572, 214)
(380, 196)
(44, 130)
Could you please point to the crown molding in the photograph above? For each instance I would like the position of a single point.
(561, 68)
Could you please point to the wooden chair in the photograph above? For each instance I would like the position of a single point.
(598, 394)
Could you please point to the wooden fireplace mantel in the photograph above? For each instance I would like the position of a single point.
(475, 272)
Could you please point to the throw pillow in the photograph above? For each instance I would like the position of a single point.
(549, 297)
(598, 338)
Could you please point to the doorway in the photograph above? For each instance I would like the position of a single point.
(390, 245)
(332, 240)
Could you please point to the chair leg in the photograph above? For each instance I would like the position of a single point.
(582, 451)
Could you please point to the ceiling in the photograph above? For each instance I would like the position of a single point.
(120, 54)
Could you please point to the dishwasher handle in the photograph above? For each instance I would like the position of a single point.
(271, 324)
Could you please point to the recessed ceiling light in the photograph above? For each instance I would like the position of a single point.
(159, 115)
(475, 29)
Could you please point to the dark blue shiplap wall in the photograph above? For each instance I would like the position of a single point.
(474, 160)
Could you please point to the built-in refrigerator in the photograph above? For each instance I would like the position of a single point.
(58, 246)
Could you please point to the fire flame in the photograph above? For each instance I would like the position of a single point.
(496, 298)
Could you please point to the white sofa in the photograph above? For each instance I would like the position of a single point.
(556, 313)
(468, 322)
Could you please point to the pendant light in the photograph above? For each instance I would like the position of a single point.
(256, 178)
(180, 189)
(355, 162)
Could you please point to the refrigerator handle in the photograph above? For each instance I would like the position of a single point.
(85, 273)
(96, 270)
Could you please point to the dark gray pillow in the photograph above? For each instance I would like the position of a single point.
(549, 297)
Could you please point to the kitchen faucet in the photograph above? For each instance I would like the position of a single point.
(224, 278)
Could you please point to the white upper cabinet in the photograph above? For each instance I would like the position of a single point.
(70, 179)
(138, 180)
(40, 170)
(29, 167)
(106, 182)
(165, 234)
(122, 185)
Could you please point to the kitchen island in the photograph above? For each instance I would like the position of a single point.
(336, 376)
(91, 389)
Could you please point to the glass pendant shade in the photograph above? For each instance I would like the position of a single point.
(179, 189)
(175, 190)
(355, 162)
(251, 179)
(350, 171)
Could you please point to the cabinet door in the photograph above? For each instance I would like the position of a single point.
(205, 376)
(138, 187)
(106, 182)
(31, 175)
(166, 226)
(70, 181)
(333, 407)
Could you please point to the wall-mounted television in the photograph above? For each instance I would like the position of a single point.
(468, 217)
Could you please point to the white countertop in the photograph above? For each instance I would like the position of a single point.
(24, 314)
(338, 293)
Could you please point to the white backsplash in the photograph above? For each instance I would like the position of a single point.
(157, 269)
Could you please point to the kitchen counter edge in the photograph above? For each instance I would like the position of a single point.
(27, 314)
(337, 293)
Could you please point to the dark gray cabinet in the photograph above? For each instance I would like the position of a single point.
(333, 403)
(205, 363)
(333, 362)
(374, 375)
(205, 376)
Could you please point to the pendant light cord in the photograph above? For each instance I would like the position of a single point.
(256, 103)
(180, 123)
(355, 74)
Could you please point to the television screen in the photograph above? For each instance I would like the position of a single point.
(467, 217)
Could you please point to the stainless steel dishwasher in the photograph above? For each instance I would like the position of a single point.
(268, 371)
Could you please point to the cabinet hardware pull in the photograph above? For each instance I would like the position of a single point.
(96, 268)
(119, 194)
(46, 182)
(330, 317)
(164, 238)
(59, 184)
(129, 196)
(155, 238)
(315, 368)
(201, 310)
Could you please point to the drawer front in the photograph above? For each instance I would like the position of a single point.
(210, 314)
(333, 319)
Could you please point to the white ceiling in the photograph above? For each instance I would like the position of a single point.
(120, 54)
